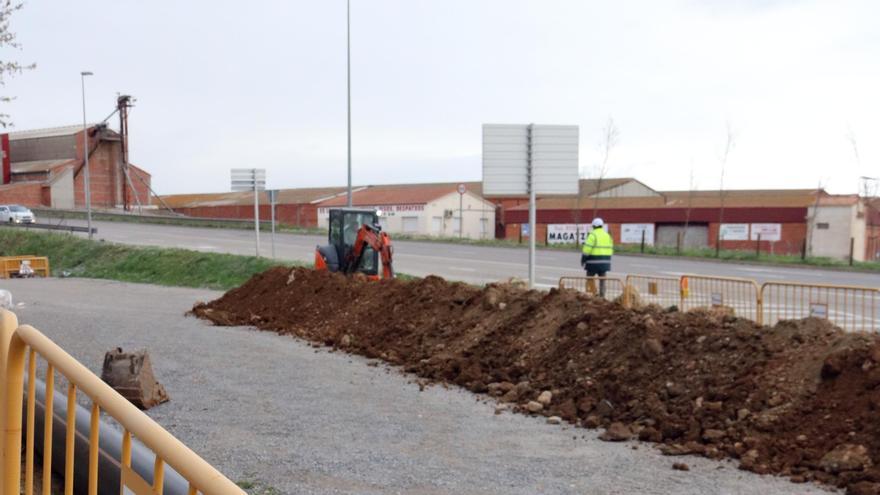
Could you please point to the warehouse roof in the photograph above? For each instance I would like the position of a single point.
(781, 198)
(39, 165)
(67, 130)
(404, 194)
(285, 196)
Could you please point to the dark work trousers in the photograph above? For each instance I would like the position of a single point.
(599, 270)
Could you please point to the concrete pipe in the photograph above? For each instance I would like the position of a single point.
(110, 441)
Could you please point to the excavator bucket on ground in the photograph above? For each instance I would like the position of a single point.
(131, 374)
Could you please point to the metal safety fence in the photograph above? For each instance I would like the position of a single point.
(849, 307)
(613, 287)
(740, 296)
(20, 345)
(646, 289)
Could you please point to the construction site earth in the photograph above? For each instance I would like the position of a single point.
(798, 399)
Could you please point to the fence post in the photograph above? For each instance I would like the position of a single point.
(852, 246)
(643, 242)
(11, 376)
(804, 249)
(758, 247)
(678, 243)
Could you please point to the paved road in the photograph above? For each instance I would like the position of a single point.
(274, 411)
(474, 264)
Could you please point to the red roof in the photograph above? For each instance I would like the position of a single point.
(400, 194)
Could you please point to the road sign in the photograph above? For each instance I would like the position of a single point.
(248, 179)
(520, 159)
(251, 179)
(462, 189)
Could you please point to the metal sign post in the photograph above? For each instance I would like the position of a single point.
(251, 179)
(273, 193)
(461, 190)
(530, 160)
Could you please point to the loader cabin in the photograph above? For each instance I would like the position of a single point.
(344, 226)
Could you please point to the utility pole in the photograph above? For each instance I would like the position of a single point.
(88, 194)
(348, 75)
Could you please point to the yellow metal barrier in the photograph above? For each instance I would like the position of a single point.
(10, 265)
(741, 295)
(647, 289)
(592, 285)
(849, 307)
(16, 342)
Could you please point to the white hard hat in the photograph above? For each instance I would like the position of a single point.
(598, 222)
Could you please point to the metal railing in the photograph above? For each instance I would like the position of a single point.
(646, 289)
(19, 342)
(849, 307)
(593, 286)
(741, 296)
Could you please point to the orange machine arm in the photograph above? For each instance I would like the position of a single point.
(380, 242)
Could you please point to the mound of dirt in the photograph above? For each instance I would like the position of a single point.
(800, 399)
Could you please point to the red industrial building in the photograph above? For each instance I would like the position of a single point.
(45, 168)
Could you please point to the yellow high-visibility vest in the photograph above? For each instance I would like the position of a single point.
(599, 243)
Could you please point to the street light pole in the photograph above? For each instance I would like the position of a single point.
(88, 193)
(348, 75)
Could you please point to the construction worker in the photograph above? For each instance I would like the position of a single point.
(597, 251)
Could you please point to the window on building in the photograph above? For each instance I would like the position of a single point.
(456, 225)
(484, 227)
(436, 225)
(822, 225)
(410, 224)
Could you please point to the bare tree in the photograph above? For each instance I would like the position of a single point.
(7, 40)
(811, 221)
(610, 136)
(690, 205)
(728, 146)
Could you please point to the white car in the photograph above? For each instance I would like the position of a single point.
(16, 214)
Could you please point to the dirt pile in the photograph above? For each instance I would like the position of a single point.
(800, 399)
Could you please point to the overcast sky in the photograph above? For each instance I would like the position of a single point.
(222, 84)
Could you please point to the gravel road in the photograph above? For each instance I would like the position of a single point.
(288, 418)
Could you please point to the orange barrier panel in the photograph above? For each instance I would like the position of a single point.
(740, 295)
(646, 289)
(591, 285)
(11, 265)
(851, 308)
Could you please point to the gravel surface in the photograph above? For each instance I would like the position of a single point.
(288, 418)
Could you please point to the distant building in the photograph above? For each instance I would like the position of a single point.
(45, 167)
(436, 210)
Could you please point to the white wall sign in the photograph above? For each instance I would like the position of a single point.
(631, 233)
(819, 310)
(767, 231)
(734, 232)
(567, 233)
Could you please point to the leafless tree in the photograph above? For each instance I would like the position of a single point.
(7, 40)
(811, 221)
(728, 146)
(690, 205)
(610, 136)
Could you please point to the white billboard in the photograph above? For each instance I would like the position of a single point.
(767, 231)
(631, 233)
(734, 232)
(509, 148)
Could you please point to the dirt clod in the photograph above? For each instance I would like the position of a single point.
(680, 466)
(799, 399)
(616, 432)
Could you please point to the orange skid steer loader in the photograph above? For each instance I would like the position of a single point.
(357, 245)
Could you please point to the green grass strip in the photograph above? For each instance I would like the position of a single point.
(77, 257)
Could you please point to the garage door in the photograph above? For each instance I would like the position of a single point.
(697, 235)
(410, 225)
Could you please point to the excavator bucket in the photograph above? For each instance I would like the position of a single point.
(131, 374)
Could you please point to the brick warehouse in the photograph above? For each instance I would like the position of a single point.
(44, 167)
